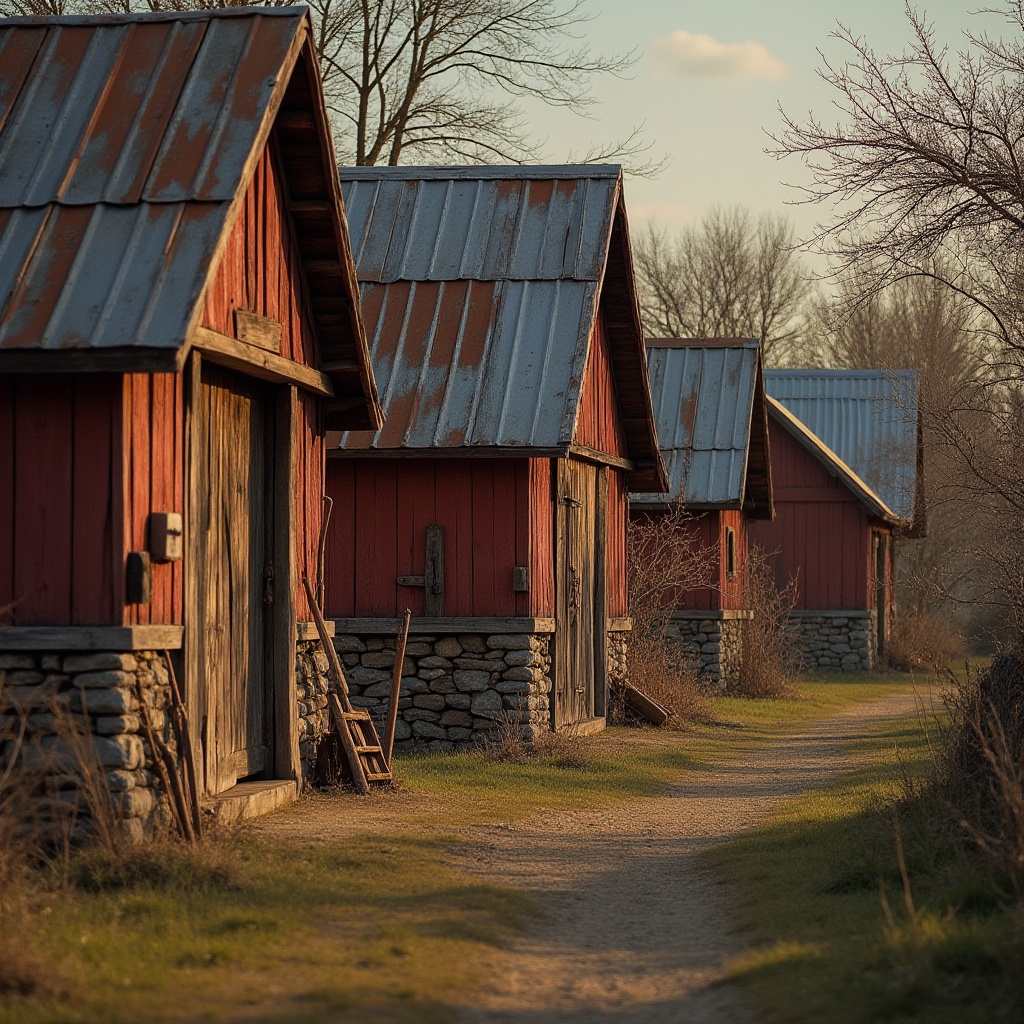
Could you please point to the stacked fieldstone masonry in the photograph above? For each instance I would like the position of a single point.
(455, 688)
(709, 643)
(844, 640)
(96, 696)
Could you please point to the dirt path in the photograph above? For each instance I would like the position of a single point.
(636, 928)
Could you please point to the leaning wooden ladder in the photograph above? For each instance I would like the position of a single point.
(360, 743)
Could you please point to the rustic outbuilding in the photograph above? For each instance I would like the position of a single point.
(846, 451)
(179, 325)
(505, 335)
(709, 403)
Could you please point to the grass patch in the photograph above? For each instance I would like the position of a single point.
(377, 925)
(838, 936)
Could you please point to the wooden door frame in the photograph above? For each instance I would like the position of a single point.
(282, 629)
(599, 697)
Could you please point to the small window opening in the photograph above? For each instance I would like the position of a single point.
(730, 552)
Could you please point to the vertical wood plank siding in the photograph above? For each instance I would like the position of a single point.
(309, 495)
(733, 591)
(618, 514)
(821, 533)
(542, 537)
(154, 481)
(382, 508)
(707, 530)
(598, 423)
(60, 499)
(260, 270)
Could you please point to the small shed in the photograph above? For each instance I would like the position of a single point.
(847, 455)
(179, 325)
(709, 403)
(505, 335)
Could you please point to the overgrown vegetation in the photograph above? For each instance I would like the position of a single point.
(665, 560)
(923, 639)
(767, 659)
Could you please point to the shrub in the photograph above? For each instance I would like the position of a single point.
(922, 639)
(665, 559)
(767, 659)
(507, 744)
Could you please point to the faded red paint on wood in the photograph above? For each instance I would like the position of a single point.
(260, 270)
(60, 499)
(821, 534)
(618, 514)
(599, 423)
(309, 492)
(542, 538)
(378, 532)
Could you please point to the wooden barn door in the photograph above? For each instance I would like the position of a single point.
(580, 594)
(233, 483)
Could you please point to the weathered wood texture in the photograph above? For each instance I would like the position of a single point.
(599, 422)
(821, 535)
(382, 509)
(261, 270)
(542, 537)
(309, 492)
(154, 481)
(60, 499)
(232, 464)
(618, 516)
(576, 649)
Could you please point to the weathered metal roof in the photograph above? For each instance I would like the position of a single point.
(125, 142)
(480, 290)
(703, 395)
(869, 418)
(122, 144)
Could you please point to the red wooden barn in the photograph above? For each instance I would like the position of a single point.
(846, 453)
(506, 339)
(709, 403)
(179, 325)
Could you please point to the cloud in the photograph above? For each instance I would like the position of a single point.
(687, 54)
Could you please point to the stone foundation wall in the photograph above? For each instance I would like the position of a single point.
(845, 641)
(618, 667)
(709, 645)
(96, 694)
(455, 688)
(312, 686)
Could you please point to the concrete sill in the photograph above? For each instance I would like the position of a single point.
(585, 728)
(250, 799)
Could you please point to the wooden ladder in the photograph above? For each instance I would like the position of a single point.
(360, 743)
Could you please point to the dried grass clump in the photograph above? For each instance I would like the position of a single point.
(922, 639)
(665, 561)
(981, 763)
(506, 743)
(767, 659)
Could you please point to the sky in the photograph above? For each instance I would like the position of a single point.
(708, 82)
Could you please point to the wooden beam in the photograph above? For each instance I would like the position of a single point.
(236, 355)
(445, 625)
(287, 761)
(90, 638)
(581, 451)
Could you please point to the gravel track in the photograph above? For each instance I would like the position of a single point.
(635, 927)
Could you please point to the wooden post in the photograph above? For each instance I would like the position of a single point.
(433, 572)
(396, 686)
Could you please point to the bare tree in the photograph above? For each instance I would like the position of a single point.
(922, 179)
(436, 80)
(731, 276)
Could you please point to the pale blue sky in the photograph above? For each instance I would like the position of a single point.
(707, 101)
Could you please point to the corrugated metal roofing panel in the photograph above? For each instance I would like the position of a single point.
(869, 418)
(408, 226)
(474, 363)
(703, 399)
(123, 142)
(480, 287)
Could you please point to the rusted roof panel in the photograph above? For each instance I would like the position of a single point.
(480, 288)
(123, 142)
(703, 401)
(869, 418)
